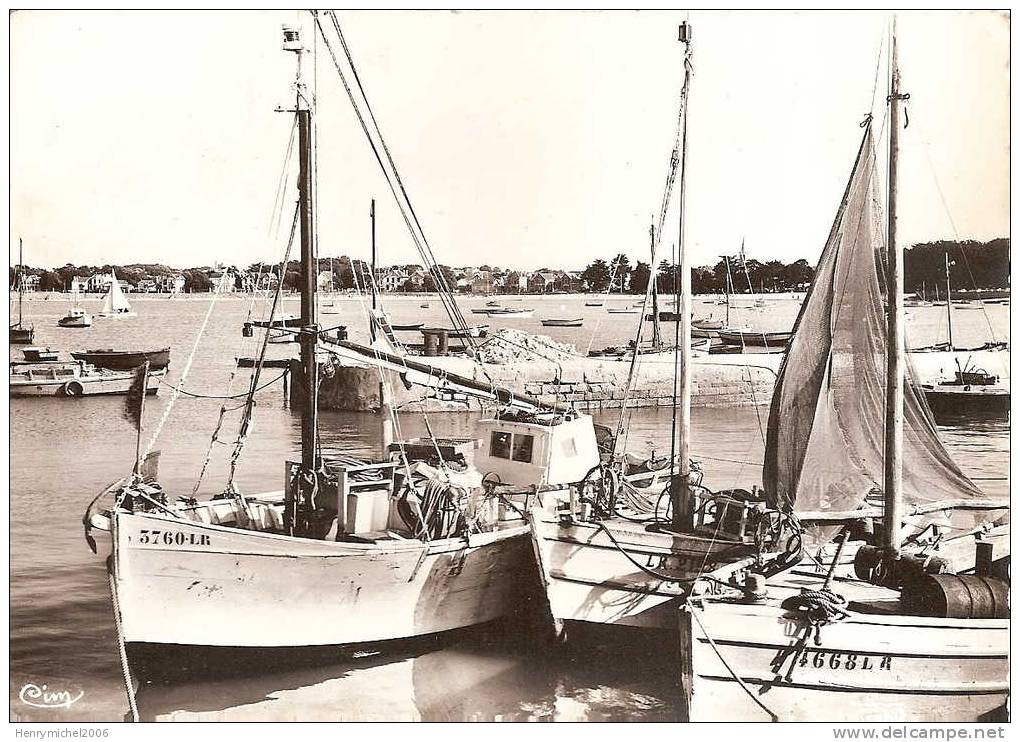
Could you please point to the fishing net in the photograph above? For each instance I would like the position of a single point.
(826, 432)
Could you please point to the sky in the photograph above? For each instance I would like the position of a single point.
(526, 140)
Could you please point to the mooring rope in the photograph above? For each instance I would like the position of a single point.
(124, 667)
(740, 681)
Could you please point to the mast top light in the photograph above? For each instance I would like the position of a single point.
(685, 32)
(292, 39)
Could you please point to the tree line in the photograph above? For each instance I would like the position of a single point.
(972, 265)
(731, 273)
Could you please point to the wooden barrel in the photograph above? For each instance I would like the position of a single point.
(958, 596)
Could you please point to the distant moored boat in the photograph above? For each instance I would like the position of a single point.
(124, 360)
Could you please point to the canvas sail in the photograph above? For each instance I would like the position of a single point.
(825, 441)
(115, 302)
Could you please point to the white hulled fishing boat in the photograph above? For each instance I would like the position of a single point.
(349, 551)
(613, 555)
(76, 316)
(919, 629)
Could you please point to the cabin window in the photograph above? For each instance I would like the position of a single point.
(500, 445)
(569, 448)
(523, 445)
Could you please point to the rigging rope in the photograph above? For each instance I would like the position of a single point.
(227, 396)
(394, 181)
(250, 404)
(187, 368)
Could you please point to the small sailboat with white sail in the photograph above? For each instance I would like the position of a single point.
(115, 303)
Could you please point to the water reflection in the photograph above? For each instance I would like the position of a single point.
(496, 673)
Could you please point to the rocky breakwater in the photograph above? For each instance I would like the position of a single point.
(537, 366)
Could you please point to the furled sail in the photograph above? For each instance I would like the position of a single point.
(115, 302)
(825, 442)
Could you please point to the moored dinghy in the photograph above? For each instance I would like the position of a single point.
(902, 638)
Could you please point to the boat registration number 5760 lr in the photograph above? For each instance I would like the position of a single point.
(171, 538)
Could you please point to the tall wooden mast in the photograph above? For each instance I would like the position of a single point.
(893, 484)
(679, 490)
(309, 265)
(949, 301)
(371, 214)
(21, 281)
(656, 330)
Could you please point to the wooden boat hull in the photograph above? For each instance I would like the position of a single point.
(755, 339)
(77, 321)
(181, 582)
(512, 313)
(946, 401)
(125, 360)
(89, 385)
(562, 322)
(865, 668)
(588, 578)
(22, 335)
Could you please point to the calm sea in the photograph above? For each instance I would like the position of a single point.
(63, 451)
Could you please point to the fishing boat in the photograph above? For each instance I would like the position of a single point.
(747, 338)
(124, 360)
(408, 327)
(75, 317)
(919, 630)
(424, 305)
(508, 313)
(652, 352)
(350, 551)
(115, 303)
(613, 554)
(706, 328)
(471, 331)
(46, 375)
(555, 322)
(20, 334)
(623, 310)
(39, 355)
(594, 303)
(622, 552)
(972, 392)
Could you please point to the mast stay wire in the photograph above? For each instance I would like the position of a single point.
(439, 278)
(956, 234)
(393, 180)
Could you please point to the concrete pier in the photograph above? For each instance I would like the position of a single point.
(595, 383)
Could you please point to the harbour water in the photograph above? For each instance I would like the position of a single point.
(63, 451)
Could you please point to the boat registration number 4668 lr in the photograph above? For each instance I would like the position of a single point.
(827, 658)
(171, 538)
